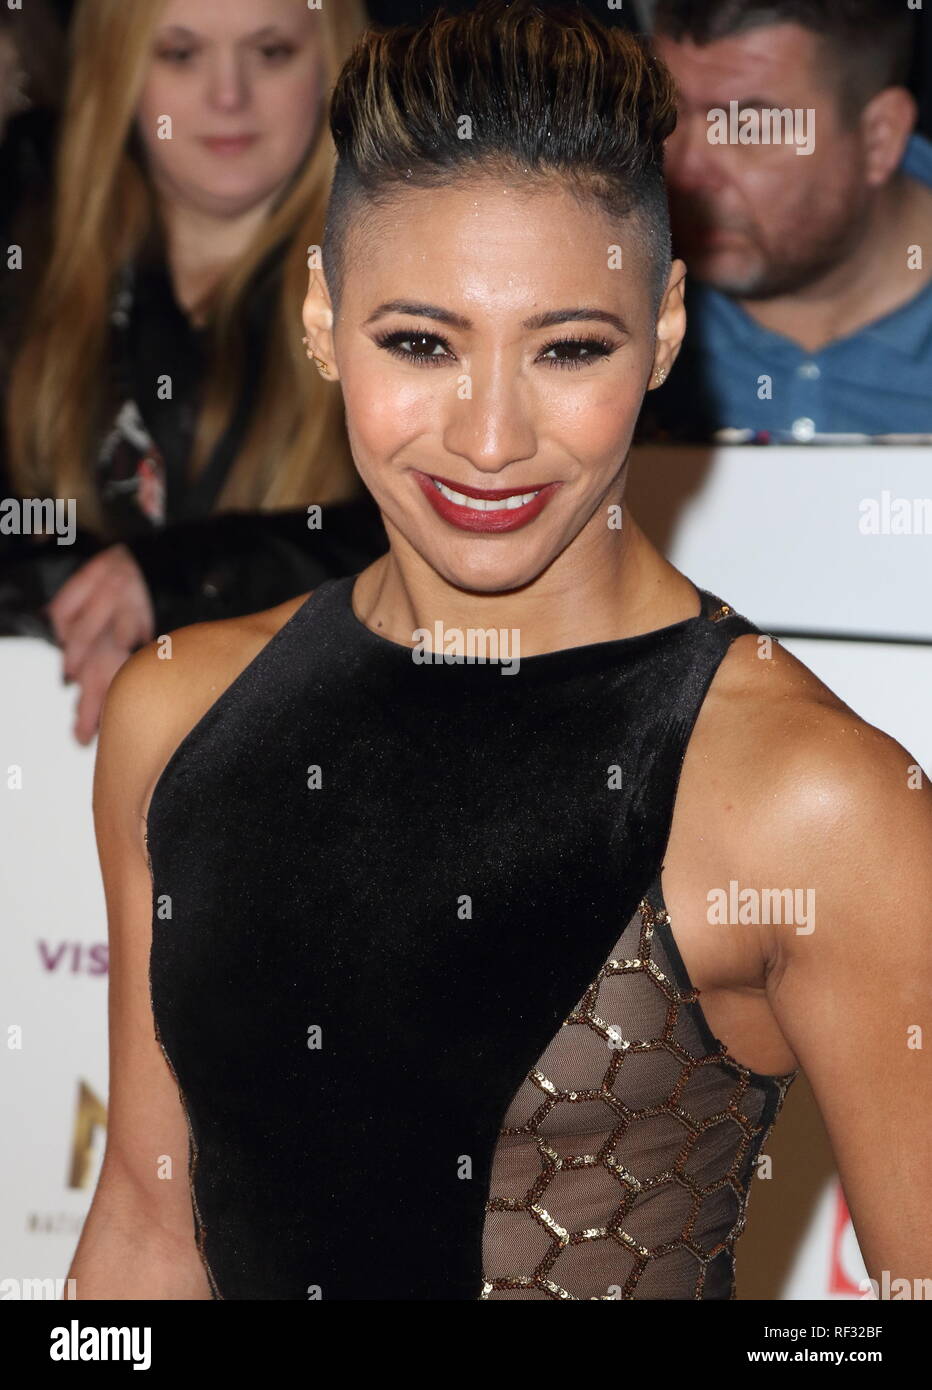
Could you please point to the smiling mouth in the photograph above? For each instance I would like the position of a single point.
(507, 502)
(493, 510)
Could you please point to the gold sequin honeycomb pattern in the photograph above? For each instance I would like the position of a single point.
(624, 1163)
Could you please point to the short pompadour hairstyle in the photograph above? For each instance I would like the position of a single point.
(547, 91)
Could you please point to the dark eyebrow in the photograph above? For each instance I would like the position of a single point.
(547, 320)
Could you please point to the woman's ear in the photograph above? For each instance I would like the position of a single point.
(671, 325)
(317, 316)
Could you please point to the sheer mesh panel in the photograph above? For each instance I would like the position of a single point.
(623, 1166)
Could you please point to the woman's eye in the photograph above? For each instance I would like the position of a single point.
(271, 52)
(582, 350)
(421, 348)
(277, 52)
(398, 345)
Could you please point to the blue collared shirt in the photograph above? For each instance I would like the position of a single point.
(875, 381)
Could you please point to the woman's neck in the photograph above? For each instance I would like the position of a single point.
(590, 593)
(200, 246)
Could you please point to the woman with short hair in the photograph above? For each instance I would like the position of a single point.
(437, 979)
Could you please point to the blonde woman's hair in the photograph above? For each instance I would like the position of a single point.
(295, 449)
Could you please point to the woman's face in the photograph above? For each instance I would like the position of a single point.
(242, 83)
(497, 339)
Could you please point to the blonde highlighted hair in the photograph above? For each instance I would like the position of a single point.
(548, 92)
(295, 449)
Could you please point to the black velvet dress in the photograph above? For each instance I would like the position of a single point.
(413, 974)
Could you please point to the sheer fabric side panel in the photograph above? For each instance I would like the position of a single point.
(624, 1159)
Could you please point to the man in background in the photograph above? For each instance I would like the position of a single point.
(802, 205)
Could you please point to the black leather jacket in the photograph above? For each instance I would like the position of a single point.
(198, 564)
(222, 566)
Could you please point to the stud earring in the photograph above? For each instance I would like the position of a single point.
(661, 376)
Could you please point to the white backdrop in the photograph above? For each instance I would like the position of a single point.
(775, 532)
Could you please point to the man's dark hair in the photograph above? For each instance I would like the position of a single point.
(869, 41)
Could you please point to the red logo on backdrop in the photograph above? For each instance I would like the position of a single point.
(840, 1281)
(75, 957)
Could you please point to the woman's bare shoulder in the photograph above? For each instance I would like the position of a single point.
(799, 775)
(771, 714)
(166, 687)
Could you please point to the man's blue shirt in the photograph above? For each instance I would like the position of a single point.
(877, 380)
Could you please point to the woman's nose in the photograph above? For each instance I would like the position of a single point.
(489, 420)
(228, 83)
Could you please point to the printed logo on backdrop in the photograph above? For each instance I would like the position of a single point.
(845, 1257)
(75, 957)
(84, 1131)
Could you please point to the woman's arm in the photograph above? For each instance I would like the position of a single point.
(854, 996)
(138, 1239)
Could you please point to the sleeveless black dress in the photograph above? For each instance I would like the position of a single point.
(412, 972)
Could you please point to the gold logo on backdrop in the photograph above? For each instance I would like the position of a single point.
(91, 1114)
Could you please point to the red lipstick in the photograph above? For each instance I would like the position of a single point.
(467, 518)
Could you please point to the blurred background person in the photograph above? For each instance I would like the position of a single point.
(161, 379)
(810, 274)
(32, 77)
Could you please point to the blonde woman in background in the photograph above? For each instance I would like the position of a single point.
(161, 381)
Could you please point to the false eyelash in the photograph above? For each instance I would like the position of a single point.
(391, 343)
(605, 350)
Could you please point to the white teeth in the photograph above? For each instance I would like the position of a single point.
(483, 504)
